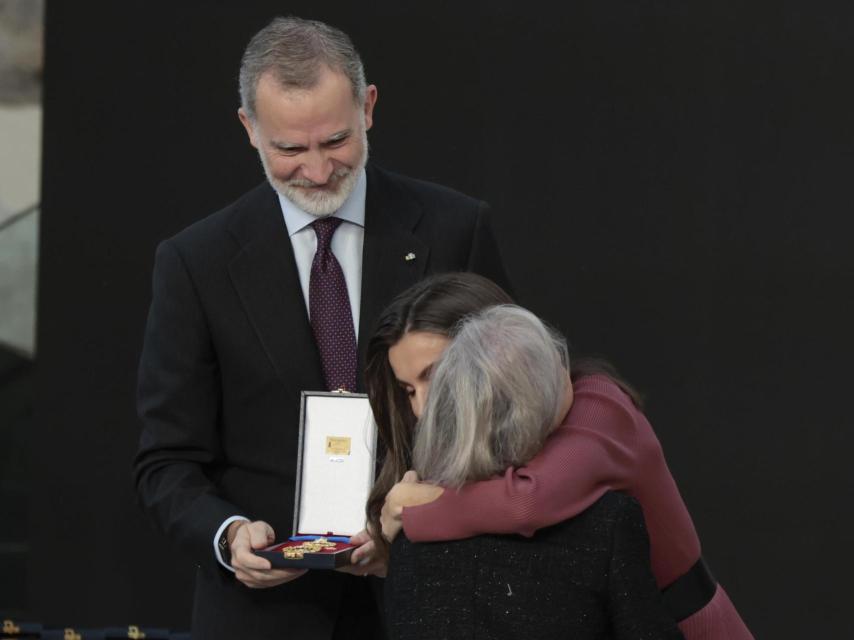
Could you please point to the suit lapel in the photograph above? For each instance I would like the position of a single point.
(265, 276)
(393, 257)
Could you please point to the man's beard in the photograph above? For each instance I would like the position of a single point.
(320, 202)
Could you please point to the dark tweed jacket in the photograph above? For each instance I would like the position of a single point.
(588, 577)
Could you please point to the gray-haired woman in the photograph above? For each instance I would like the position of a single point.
(497, 390)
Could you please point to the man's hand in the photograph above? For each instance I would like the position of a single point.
(406, 493)
(365, 559)
(254, 571)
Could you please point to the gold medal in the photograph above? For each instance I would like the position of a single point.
(293, 553)
(297, 552)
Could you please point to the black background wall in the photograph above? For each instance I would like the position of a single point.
(671, 187)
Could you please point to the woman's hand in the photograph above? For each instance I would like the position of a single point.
(406, 493)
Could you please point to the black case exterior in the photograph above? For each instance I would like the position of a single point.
(309, 560)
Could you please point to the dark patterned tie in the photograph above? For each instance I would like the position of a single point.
(329, 307)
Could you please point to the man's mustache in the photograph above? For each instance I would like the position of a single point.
(336, 175)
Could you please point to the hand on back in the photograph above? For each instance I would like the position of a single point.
(406, 493)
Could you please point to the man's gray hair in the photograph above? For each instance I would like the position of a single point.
(494, 397)
(295, 51)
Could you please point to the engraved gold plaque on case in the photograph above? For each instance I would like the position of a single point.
(337, 445)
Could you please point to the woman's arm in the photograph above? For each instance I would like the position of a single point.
(593, 451)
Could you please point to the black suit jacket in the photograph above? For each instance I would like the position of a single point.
(228, 348)
(588, 577)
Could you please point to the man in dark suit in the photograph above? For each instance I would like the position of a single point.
(276, 294)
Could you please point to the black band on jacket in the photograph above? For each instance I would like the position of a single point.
(690, 592)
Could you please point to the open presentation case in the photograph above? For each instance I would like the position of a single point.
(335, 472)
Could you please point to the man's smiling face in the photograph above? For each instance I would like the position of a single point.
(312, 142)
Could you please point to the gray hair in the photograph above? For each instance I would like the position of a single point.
(295, 50)
(494, 397)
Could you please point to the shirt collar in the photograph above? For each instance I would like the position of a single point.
(353, 209)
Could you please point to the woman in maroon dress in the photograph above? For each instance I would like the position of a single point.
(603, 443)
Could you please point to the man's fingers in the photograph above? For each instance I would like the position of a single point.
(363, 552)
(410, 476)
(360, 538)
(250, 579)
(260, 534)
(365, 559)
(245, 559)
(253, 535)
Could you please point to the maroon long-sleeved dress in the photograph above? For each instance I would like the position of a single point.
(604, 443)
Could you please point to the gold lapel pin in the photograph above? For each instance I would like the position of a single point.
(409, 257)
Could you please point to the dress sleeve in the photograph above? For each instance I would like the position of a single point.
(635, 606)
(595, 450)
